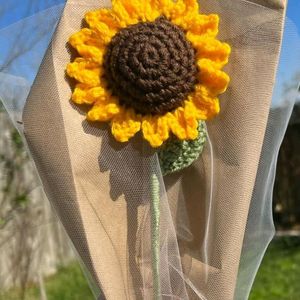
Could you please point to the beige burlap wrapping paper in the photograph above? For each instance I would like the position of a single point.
(86, 176)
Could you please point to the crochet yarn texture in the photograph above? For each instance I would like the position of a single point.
(176, 155)
(151, 66)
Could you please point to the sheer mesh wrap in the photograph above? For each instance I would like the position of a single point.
(100, 189)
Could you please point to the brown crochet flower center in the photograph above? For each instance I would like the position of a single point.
(151, 66)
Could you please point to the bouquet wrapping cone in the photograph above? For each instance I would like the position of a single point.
(100, 189)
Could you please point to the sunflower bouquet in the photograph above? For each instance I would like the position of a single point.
(157, 178)
(156, 67)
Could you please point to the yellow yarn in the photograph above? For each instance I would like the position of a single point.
(90, 43)
(156, 129)
(125, 125)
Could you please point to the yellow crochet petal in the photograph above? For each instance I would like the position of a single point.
(200, 24)
(165, 7)
(126, 17)
(191, 6)
(210, 48)
(93, 18)
(183, 123)
(79, 95)
(104, 23)
(84, 94)
(135, 9)
(88, 44)
(206, 105)
(85, 71)
(125, 125)
(103, 112)
(151, 10)
(155, 130)
(184, 10)
(86, 36)
(209, 75)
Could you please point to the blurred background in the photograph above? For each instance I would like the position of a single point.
(36, 259)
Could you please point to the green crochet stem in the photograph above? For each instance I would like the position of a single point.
(155, 244)
(174, 156)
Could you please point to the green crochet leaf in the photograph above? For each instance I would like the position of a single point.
(176, 155)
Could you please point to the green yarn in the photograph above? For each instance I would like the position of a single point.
(176, 155)
(155, 244)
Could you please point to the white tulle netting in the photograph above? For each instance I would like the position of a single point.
(216, 216)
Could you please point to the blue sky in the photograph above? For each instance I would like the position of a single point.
(26, 41)
(289, 63)
(15, 10)
(293, 12)
(23, 44)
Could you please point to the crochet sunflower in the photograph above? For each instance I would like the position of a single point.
(153, 66)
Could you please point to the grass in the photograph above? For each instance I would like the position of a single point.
(68, 284)
(277, 279)
(279, 275)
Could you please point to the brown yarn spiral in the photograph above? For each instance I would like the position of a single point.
(151, 66)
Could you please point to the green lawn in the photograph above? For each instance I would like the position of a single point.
(279, 275)
(277, 279)
(68, 284)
